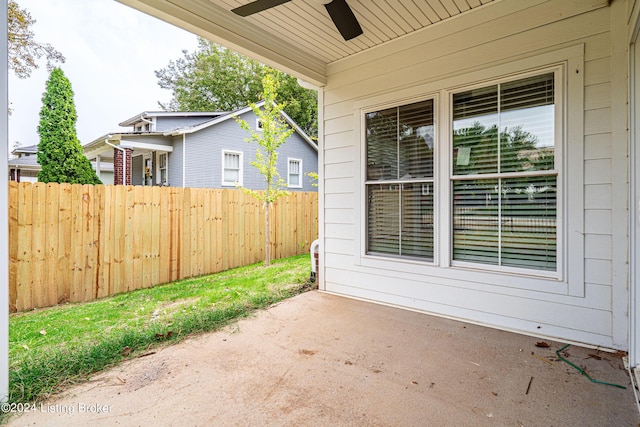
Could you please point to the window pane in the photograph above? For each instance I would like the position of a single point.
(529, 229)
(417, 220)
(527, 124)
(475, 221)
(294, 167)
(416, 140)
(383, 219)
(231, 160)
(231, 175)
(516, 228)
(382, 144)
(475, 131)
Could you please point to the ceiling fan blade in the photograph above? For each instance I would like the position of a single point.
(257, 6)
(344, 19)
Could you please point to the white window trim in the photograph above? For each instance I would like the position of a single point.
(240, 173)
(570, 278)
(301, 173)
(259, 127)
(166, 168)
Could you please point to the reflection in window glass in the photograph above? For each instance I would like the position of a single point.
(400, 180)
(508, 128)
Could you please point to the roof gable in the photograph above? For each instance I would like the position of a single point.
(237, 113)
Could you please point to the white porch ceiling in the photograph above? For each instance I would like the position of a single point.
(299, 36)
(307, 23)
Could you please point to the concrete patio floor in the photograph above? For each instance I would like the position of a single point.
(320, 359)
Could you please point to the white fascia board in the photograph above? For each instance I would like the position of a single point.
(221, 26)
(145, 146)
(299, 130)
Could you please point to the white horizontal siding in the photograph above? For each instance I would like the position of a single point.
(430, 61)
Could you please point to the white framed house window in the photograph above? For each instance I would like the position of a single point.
(231, 168)
(162, 169)
(399, 181)
(502, 161)
(505, 174)
(294, 173)
(498, 192)
(259, 125)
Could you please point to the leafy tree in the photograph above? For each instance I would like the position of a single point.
(274, 133)
(24, 50)
(214, 78)
(59, 151)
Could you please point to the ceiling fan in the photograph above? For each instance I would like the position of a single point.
(339, 11)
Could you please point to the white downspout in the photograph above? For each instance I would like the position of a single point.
(184, 159)
(4, 215)
(124, 160)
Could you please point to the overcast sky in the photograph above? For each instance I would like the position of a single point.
(111, 54)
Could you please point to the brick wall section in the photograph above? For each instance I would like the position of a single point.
(117, 167)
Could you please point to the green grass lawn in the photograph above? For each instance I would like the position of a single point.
(50, 348)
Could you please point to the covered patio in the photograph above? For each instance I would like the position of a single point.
(321, 359)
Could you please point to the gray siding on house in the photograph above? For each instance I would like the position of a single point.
(174, 161)
(204, 156)
(168, 123)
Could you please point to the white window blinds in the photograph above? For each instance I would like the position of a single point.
(400, 181)
(504, 179)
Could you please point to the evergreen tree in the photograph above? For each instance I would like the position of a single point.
(59, 152)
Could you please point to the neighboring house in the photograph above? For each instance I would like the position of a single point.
(24, 166)
(205, 150)
(422, 209)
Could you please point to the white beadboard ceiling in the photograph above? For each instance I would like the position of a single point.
(307, 23)
(299, 36)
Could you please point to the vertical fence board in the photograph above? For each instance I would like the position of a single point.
(128, 273)
(217, 237)
(176, 202)
(146, 222)
(98, 224)
(89, 259)
(206, 231)
(119, 230)
(76, 238)
(13, 245)
(65, 244)
(154, 257)
(23, 279)
(105, 242)
(38, 244)
(164, 236)
(197, 231)
(52, 198)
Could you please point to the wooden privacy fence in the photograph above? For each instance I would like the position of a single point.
(73, 243)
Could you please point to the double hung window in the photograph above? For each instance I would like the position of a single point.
(231, 168)
(162, 166)
(295, 173)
